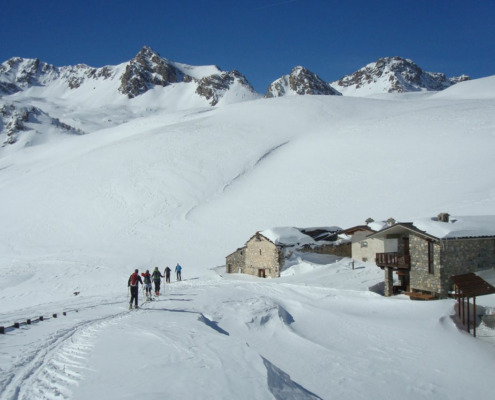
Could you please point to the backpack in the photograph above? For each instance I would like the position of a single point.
(156, 275)
(134, 279)
(147, 278)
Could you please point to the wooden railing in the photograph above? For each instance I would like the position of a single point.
(393, 260)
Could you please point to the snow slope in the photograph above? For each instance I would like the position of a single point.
(190, 186)
(475, 89)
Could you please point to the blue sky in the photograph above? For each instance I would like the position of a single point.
(263, 39)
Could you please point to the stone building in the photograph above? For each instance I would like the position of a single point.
(259, 257)
(430, 251)
(264, 254)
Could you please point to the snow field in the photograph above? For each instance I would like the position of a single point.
(189, 187)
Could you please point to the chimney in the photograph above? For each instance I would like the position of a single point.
(369, 221)
(443, 217)
(390, 221)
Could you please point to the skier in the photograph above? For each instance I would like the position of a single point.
(178, 270)
(133, 284)
(157, 280)
(147, 283)
(167, 274)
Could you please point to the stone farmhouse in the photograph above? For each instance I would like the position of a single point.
(265, 253)
(426, 253)
(259, 257)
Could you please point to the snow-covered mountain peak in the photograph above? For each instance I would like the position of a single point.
(393, 75)
(300, 81)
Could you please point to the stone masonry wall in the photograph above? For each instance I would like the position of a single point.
(341, 250)
(262, 254)
(420, 278)
(236, 261)
(463, 256)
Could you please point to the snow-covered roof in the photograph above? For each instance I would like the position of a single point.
(458, 227)
(377, 225)
(287, 236)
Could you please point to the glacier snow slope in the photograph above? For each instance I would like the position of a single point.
(80, 213)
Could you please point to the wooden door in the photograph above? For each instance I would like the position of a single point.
(406, 246)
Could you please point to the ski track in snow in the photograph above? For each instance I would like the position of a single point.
(50, 371)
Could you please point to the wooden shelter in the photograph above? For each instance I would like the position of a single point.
(470, 286)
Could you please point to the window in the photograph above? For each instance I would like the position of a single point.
(431, 250)
(364, 244)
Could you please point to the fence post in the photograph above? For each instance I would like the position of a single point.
(28, 321)
(54, 315)
(64, 313)
(41, 318)
(17, 325)
(2, 330)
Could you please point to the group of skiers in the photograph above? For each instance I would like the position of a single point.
(156, 277)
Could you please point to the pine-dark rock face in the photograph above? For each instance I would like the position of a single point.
(300, 81)
(145, 71)
(397, 75)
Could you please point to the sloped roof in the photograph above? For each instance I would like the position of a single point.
(457, 228)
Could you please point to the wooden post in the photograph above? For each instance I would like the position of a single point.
(458, 301)
(41, 318)
(353, 265)
(462, 306)
(64, 313)
(468, 320)
(54, 315)
(28, 321)
(474, 316)
(2, 330)
(17, 325)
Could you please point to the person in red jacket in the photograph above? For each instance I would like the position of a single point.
(133, 283)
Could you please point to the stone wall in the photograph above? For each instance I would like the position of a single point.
(236, 261)
(463, 256)
(341, 250)
(450, 257)
(420, 278)
(263, 254)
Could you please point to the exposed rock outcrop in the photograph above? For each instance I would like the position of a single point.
(146, 70)
(395, 75)
(213, 87)
(16, 119)
(300, 81)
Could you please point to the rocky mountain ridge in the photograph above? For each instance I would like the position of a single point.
(394, 75)
(300, 81)
(88, 99)
(142, 73)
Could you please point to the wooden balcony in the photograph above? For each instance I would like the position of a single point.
(393, 260)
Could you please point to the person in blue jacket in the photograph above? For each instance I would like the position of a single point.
(178, 270)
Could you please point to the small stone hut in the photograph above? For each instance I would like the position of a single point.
(265, 253)
(432, 250)
(259, 257)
